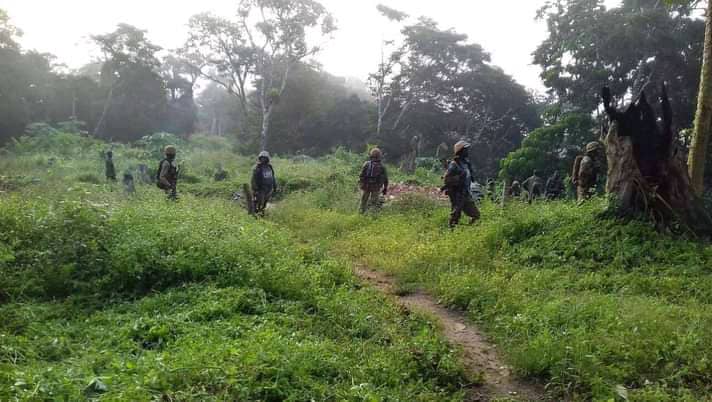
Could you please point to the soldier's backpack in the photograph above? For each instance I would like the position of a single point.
(452, 181)
(158, 174)
(374, 172)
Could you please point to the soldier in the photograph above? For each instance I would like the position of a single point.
(373, 180)
(586, 171)
(534, 186)
(458, 181)
(129, 187)
(264, 182)
(554, 186)
(220, 174)
(167, 176)
(109, 168)
(516, 189)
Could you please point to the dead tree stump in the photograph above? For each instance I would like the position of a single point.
(647, 172)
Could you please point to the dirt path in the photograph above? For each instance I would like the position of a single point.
(479, 355)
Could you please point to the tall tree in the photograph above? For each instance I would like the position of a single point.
(136, 94)
(624, 48)
(446, 90)
(263, 44)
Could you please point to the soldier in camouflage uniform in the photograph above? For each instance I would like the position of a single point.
(264, 182)
(586, 171)
(373, 180)
(534, 186)
(167, 176)
(458, 182)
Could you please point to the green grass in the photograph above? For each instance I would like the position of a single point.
(594, 308)
(110, 297)
(105, 296)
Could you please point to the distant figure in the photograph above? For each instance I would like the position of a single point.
(516, 189)
(143, 175)
(555, 187)
(264, 182)
(128, 181)
(109, 168)
(458, 181)
(167, 176)
(586, 171)
(373, 181)
(534, 186)
(220, 174)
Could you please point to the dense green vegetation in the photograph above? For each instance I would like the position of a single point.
(135, 298)
(595, 308)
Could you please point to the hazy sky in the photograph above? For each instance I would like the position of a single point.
(505, 28)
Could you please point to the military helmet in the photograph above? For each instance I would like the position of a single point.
(593, 147)
(375, 153)
(169, 150)
(263, 154)
(460, 145)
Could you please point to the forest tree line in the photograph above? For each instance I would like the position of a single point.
(433, 86)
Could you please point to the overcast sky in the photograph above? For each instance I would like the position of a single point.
(505, 28)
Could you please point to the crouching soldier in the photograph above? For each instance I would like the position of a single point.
(373, 180)
(167, 176)
(264, 182)
(458, 181)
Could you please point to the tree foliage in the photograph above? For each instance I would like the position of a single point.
(640, 42)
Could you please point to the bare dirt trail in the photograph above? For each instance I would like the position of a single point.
(479, 355)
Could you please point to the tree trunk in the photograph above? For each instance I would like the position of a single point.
(266, 114)
(647, 173)
(703, 117)
(102, 120)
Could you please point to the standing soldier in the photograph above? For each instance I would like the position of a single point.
(458, 180)
(167, 177)
(373, 180)
(586, 171)
(534, 186)
(264, 182)
(554, 186)
(109, 168)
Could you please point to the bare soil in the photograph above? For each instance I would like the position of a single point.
(480, 357)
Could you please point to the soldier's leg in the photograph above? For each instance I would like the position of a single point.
(471, 210)
(375, 199)
(457, 202)
(364, 200)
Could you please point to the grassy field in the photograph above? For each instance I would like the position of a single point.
(112, 297)
(596, 309)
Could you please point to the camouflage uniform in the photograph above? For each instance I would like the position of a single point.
(264, 183)
(167, 178)
(516, 189)
(373, 181)
(458, 181)
(534, 186)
